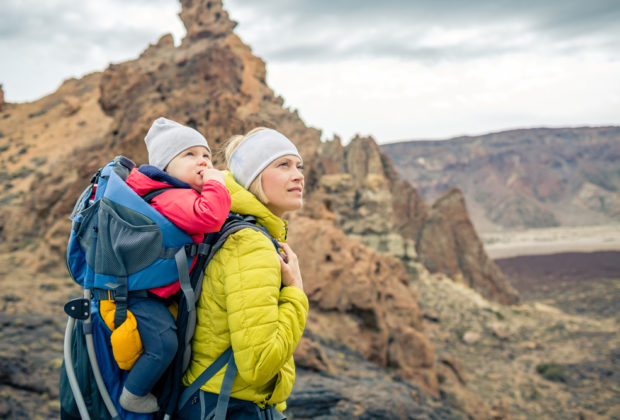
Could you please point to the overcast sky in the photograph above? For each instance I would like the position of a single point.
(417, 69)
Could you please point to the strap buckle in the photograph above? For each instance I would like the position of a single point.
(191, 250)
(203, 248)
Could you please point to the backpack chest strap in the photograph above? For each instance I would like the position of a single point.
(105, 294)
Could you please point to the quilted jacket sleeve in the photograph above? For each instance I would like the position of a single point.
(265, 322)
(195, 213)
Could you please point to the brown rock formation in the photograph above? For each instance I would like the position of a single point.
(309, 355)
(205, 19)
(359, 185)
(361, 299)
(448, 243)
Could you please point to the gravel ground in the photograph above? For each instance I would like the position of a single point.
(556, 355)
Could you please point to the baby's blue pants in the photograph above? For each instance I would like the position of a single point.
(159, 338)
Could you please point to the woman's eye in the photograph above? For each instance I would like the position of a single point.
(300, 167)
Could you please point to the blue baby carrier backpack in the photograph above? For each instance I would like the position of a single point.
(120, 246)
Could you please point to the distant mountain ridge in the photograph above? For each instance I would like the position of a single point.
(526, 178)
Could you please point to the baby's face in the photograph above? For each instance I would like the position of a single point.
(188, 166)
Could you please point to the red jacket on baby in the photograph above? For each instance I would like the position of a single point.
(194, 213)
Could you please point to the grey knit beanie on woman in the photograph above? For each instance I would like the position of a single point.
(167, 138)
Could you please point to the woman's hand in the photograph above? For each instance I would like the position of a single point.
(291, 275)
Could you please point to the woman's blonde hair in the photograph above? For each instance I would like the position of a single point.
(256, 187)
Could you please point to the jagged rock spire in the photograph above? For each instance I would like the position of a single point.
(205, 19)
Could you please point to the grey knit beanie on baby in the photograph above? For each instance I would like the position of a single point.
(167, 138)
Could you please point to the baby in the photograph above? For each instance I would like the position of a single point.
(198, 203)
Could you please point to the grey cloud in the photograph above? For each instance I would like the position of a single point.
(381, 48)
(551, 25)
(71, 30)
(597, 18)
(384, 42)
(446, 11)
(16, 21)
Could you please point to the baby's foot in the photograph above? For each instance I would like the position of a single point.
(136, 404)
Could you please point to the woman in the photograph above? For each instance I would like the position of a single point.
(252, 297)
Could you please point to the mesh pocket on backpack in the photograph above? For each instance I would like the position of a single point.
(85, 226)
(128, 241)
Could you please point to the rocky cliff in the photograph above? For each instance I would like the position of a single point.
(528, 178)
(362, 301)
(359, 188)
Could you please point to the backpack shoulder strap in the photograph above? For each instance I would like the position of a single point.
(191, 285)
(214, 241)
(223, 359)
(148, 197)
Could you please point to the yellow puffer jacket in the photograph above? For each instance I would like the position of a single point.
(242, 304)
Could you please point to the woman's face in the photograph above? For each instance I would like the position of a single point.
(283, 185)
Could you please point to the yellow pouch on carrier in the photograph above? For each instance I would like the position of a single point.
(126, 343)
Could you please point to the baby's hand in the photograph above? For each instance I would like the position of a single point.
(210, 174)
